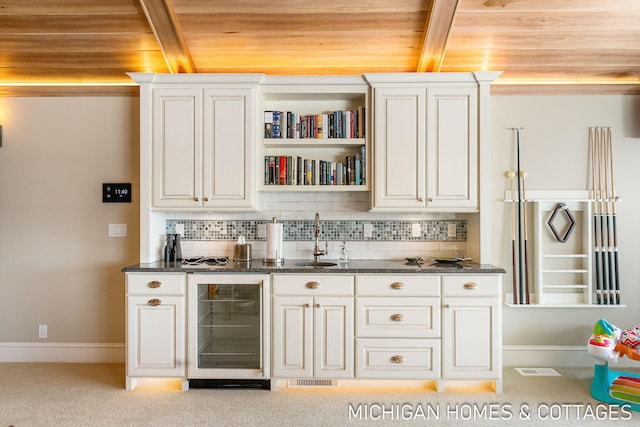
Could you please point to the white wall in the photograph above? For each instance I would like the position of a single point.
(57, 265)
(554, 152)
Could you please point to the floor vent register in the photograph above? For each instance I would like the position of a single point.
(538, 372)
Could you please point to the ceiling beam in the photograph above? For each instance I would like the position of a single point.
(165, 26)
(436, 33)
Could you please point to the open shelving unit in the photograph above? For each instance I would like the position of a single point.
(563, 274)
(563, 270)
(311, 95)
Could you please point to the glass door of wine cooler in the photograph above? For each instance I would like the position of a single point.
(227, 326)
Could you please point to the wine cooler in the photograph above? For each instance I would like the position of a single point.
(228, 330)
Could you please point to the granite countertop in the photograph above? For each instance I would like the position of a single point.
(289, 266)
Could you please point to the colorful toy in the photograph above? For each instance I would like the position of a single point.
(606, 344)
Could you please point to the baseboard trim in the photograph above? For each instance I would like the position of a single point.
(554, 356)
(62, 352)
(512, 355)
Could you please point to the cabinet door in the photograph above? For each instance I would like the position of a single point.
(177, 147)
(292, 337)
(155, 336)
(333, 344)
(399, 148)
(452, 148)
(228, 170)
(470, 337)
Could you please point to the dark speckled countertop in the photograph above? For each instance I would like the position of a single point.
(289, 266)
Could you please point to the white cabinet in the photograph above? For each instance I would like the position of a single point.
(399, 148)
(177, 148)
(312, 326)
(471, 328)
(426, 141)
(155, 339)
(398, 327)
(203, 148)
(426, 148)
(452, 148)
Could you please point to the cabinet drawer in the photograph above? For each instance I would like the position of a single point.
(389, 358)
(312, 284)
(470, 285)
(398, 317)
(398, 285)
(161, 284)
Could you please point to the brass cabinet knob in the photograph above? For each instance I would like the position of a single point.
(154, 302)
(196, 199)
(471, 286)
(446, 306)
(307, 305)
(206, 199)
(397, 285)
(397, 359)
(154, 284)
(312, 285)
(398, 317)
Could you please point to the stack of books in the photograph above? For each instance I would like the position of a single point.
(337, 124)
(295, 170)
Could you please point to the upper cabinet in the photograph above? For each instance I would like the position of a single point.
(426, 140)
(201, 140)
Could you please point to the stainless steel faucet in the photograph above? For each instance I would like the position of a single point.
(316, 248)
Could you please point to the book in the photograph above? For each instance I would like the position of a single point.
(268, 124)
(275, 127)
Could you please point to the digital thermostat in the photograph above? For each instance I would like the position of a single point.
(116, 193)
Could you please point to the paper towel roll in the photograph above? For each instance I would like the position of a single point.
(274, 242)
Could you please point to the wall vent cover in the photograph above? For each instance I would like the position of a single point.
(313, 383)
(538, 372)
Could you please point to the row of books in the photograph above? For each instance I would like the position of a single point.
(336, 124)
(295, 170)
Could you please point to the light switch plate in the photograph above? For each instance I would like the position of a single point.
(451, 230)
(117, 230)
(416, 229)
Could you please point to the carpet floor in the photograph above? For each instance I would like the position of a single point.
(58, 394)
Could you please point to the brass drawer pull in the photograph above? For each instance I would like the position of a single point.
(397, 317)
(154, 302)
(471, 286)
(397, 359)
(154, 284)
(312, 285)
(397, 285)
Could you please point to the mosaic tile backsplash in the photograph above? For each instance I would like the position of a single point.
(330, 230)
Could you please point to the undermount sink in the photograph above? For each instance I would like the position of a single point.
(316, 264)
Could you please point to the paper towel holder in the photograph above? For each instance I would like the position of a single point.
(278, 259)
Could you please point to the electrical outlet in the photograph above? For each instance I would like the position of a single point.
(42, 331)
(451, 230)
(416, 229)
(180, 229)
(367, 232)
(262, 231)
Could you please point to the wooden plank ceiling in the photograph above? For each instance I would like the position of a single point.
(60, 47)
